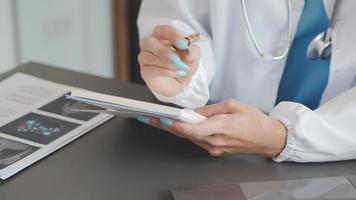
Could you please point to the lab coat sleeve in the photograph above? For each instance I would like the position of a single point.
(325, 134)
(187, 18)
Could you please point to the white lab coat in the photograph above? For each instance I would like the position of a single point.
(230, 67)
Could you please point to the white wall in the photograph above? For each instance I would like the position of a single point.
(7, 38)
(74, 34)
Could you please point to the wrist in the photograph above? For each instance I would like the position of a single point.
(279, 134)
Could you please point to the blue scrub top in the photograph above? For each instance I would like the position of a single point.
(304, 80)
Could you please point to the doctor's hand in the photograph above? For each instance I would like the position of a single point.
(167, 72)
(231, 128)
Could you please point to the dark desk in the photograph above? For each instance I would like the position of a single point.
(124, 159)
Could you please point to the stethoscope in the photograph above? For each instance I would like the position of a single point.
(319, 47)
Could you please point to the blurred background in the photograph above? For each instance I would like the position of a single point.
(92, 36)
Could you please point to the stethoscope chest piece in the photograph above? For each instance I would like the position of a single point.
(319, 47)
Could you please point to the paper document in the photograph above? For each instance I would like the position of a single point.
(36, 119)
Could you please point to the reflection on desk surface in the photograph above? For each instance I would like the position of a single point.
(335, 188)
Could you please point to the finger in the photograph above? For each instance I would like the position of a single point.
(155, 122)
(159, 49)
(152, 65)
(229, 145)
(213, 151)
(154, 71)
(156, 47)
(197, 131)
(148, 58)
(224, 107)
(194, 55)
(219, 140)
(166, 32)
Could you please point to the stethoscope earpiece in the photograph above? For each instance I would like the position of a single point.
(319, 48)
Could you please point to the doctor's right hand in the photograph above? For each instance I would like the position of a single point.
(167, 72)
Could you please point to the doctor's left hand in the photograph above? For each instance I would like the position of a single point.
(231, 128)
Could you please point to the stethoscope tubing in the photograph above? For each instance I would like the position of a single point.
(326, 39)
(253, 37)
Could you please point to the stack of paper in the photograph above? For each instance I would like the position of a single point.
(36, 119)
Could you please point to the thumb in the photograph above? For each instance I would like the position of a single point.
(224, 107)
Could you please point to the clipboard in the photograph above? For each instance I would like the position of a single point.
(130, 108)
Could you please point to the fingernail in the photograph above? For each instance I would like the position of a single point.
(143, 119)
(181, 73)
(182, 44)
(166, 121)
(174, 59)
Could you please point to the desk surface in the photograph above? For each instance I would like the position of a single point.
(124, 159)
